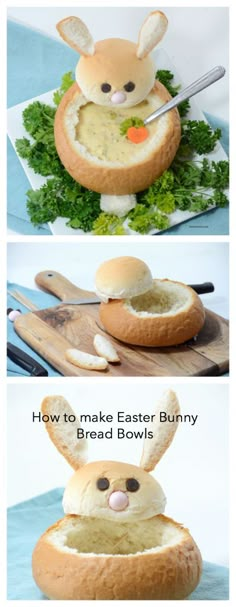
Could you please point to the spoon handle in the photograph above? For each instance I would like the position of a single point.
(202, 83)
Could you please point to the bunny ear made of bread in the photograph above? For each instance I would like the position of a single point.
(64, 433)
(163, 431)
(76, 34)
(151, 33)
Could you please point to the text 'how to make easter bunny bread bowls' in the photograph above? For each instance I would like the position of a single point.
(114, 543)
(115, 80)
(143, 311)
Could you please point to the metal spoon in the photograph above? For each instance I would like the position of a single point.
(202, 83)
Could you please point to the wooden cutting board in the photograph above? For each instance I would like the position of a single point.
(52, 331)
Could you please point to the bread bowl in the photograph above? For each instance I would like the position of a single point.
(114, 543)
(142, 311)
(115, 80)
(80, 559)
(108, 162)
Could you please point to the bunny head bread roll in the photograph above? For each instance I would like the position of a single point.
(114, 543)
(115, 81)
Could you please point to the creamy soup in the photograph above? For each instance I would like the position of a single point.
(98, 130)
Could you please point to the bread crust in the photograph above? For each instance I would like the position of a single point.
(105, 349)
(76, 45)
(86, 360)
(163, 330)
(170, 573)
(117, 180)
(154, 41)
(76, 451)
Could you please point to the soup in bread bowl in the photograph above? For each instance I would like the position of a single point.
(94, 152)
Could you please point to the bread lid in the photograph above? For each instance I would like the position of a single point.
(122, 277)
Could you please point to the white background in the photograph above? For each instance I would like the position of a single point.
(186, 262)
(196, 40)
(193, 472)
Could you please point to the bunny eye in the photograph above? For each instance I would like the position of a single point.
(103, 484)
(132, 484)
(129, 87)
(106, 88)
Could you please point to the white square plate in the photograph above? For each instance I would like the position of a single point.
(17, 131)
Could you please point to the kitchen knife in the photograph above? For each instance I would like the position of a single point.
(69, 294)
(25, 361)
(205, 287)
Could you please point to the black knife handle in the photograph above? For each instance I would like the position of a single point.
(205, 287)
(25, 361)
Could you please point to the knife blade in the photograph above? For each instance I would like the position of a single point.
(28, 304)
(80, 302)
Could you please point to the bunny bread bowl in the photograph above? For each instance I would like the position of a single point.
(142, 311)
(114, 543)
(115, 80)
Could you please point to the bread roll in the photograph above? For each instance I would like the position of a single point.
(80, 558)
(92, 150)
(122, 277)
(83, 497)
(167, 315)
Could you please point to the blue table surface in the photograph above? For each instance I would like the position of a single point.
(28, 520)
(36, 64)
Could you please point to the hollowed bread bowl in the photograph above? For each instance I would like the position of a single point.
(90, 146)
(81, 558)
(168, 314)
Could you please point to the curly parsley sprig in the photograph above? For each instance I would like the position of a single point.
(199, 136)
(166, 77)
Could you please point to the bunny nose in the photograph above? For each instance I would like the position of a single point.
(118, 97)
(118, 500)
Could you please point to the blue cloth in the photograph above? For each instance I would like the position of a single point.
(28, 520)
(26, 523)
(41, 300)
(36, 64)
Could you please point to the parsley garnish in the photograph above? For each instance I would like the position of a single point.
(166, 77)
(199, 137)
(132, 121)
(66, 82)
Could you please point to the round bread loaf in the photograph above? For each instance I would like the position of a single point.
(90, 146)
(122, 277)
(168, 314)
(83, 558)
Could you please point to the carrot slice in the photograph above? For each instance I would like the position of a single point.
(137, 134)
